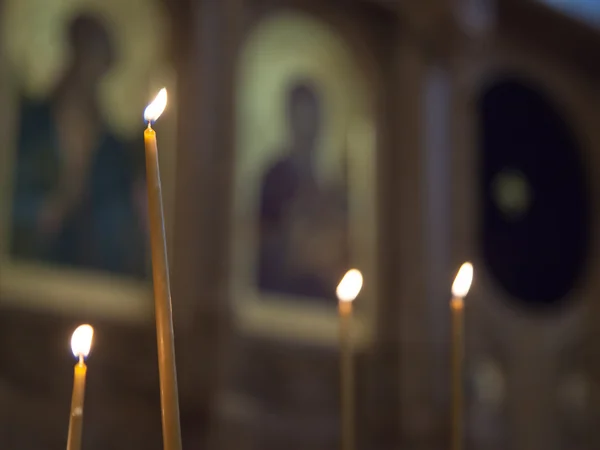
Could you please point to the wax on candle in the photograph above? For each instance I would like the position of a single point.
(347, 291)
(81, 342)
(460, 289)
(160, 276)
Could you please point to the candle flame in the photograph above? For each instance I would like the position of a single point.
(81, 341)
(156, 108)
(350, 286)
(462, 282)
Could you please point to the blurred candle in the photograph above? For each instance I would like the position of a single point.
(347, 291)
(160, 276)
(460, 289)
(81, 342)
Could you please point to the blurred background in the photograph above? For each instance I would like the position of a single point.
(302, 139)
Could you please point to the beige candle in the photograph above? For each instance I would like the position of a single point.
(460, 289)
(347, 291)
(81, 342)
(160, 276)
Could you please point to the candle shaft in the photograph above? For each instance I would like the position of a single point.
(457, 308)
(162, 299)
(76, 417)
(346, 377)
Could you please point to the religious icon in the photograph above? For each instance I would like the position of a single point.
(75, 187)
(536, 212)
(304, 197)
(73, 203)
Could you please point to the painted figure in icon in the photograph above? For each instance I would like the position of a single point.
(303, 219)
(75, 184)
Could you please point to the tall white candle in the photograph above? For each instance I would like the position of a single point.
(162, 289)
(460, 289)
(347, 291)
(81, 343)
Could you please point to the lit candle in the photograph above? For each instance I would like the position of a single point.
(160, 276)
(460, 289)
(81, 342)
(347, 291)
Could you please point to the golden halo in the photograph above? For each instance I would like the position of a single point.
(268, 68)
(36, 50)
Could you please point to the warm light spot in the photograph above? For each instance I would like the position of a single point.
(512, 193)
(350, 286)
(462, 282)
(81, 341)
(156, 108)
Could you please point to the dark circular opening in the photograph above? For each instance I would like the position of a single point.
(535, 198)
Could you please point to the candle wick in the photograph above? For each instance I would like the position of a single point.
(149, 124)
(80, 359)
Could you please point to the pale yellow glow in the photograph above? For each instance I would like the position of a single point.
(81, 341)
(462, 282)
(156, 108)
(350, 286)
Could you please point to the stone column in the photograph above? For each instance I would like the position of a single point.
(458, 40)
(423, 171)
(203, 58)
(590, 358)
